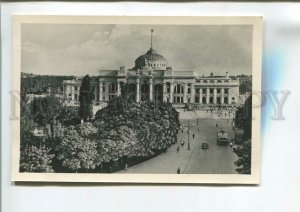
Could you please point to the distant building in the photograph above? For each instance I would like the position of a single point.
(152, 79)
(244, 78)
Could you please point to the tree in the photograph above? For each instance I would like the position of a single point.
(35, 159)
(244, 120)
(128, 129)
(69, 116)
(244, 161)
(85, 99)
(45, 109)
(77, 149)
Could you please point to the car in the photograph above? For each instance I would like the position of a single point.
(204, 145)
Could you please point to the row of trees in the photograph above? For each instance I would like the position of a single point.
(122, 131)
(38, 84)
(243, 120)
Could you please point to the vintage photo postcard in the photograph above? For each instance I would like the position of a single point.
(136, 99)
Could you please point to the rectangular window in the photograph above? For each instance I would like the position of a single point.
(211, 90)
(218, 90)
(189, 90)
(204, 90)
(226, 90)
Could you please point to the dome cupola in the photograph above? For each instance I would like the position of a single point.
(151, 60)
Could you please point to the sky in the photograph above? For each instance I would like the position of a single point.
(70, 49)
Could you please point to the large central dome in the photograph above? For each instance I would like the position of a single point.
(151, 60)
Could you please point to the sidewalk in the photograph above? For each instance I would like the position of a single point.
(169, 162)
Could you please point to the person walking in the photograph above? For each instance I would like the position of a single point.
(182, 143)
(193, 135)
(177, 149)
(216, 125)
(178, 170)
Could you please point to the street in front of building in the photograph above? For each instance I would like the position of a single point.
(190, 158)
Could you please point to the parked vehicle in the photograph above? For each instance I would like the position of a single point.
(222, 137)
(205, 146)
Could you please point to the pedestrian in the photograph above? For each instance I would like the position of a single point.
(177, 149)
(181, 131)
(216, 125)
(126, 166)
(182, 143)
(198, 129)
(178, 170)
(193, 135)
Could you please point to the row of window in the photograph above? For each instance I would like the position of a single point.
(178, 99)
(211, 90)
(213, 81)
(157, 65)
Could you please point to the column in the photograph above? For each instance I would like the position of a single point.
(118, 89)
(192, 93)
(171, 92)
(95, 93)
(137, 90)
(106, 91)
(151, 89)
(222, 95)
(200, 95)
(72, 93)
(207, 95)
(100, 91)
(164, 92)
(78, 92)
(215, 95)
(185, 88)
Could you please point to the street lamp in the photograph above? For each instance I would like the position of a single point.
(188, 132)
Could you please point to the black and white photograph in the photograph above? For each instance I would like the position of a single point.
(136, 99)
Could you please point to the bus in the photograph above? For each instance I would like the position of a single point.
(222, 137)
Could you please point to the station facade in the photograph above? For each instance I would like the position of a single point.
(152, 79)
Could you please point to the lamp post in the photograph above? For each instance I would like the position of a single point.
(188, 131)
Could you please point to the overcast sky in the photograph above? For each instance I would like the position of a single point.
(65, 49)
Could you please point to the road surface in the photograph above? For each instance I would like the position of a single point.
(214, 160)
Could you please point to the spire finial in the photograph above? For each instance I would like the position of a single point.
(151, 37)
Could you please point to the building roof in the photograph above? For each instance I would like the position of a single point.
(108, 72)
(151, 56)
